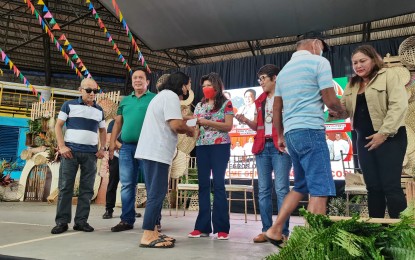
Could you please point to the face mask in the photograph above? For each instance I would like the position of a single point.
(321, 52)
(209, 92)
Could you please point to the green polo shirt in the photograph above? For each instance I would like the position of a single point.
(133, 111)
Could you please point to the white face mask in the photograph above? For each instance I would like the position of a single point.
(321, 52)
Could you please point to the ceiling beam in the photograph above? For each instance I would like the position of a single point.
(177, 65)
(252, 48)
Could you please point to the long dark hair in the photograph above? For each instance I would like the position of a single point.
(217, 84)
(369, 51)
(175, 83)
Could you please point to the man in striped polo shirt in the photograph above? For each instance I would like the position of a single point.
(303, 86)
(85, 123)
(129, 121)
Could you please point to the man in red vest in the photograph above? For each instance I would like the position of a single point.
(268, 158)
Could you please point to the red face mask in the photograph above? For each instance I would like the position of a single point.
(209, 92)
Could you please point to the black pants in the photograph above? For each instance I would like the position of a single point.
(382, 170)
(114, 178)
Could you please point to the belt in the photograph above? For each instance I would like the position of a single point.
(268, 139)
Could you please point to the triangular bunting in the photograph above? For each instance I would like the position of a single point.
(52, 21)
(66, 43)
(62, 38)
(69, 47)
(48, 15)
(94, 11)
(75, 57)
(40, 2)
(83, 68)
(56, 27)
(72, 52)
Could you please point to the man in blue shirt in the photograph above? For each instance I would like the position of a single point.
(304, 85)
(85, 122)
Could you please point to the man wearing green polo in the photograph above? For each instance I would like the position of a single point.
(129, 121)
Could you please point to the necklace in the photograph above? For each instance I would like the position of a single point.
(268, 110)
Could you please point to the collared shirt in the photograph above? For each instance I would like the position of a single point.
(82, 123)
(386, 98)
(133, 111)
(299, 84)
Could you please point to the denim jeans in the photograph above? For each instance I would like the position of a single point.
(156, 175)
(67, 174)
(269, 160)
(129, 169)
(311, 162)
(212, 159)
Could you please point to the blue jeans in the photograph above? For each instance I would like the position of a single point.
(270, 159)
(212, 159)
(129, 169)
(156, 175)
(311, 162)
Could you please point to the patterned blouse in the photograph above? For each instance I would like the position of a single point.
(209, 135)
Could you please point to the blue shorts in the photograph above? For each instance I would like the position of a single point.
(311, 162)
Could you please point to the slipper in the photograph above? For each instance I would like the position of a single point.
(276, 242)
(167, 238)
(153, 244)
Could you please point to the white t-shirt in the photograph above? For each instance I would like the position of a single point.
(157, 140)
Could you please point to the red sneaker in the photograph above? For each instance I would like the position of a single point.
(223, 236)
(196, 233)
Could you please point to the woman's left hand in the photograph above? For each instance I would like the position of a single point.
(202, 121)
(376, 140)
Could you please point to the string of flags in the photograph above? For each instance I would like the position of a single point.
(130, 35)
(69, 48)
(19, 74)
(46, 28)
(108, 35)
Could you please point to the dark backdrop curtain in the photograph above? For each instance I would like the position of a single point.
(241, 73)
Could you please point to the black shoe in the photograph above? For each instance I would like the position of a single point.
(138, 215)
(83, 227)
(122, 226)
(59, 228)
(107, 214)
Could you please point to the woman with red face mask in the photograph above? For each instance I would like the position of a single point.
(214, 116)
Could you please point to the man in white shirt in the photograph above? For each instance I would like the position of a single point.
(340, 145)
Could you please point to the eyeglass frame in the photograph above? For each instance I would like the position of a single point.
(262, 78)
(89, 90)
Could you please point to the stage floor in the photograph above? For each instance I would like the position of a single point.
(25, 232)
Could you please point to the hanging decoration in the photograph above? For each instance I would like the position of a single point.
(69, 48)
(109, 37)
(20, 75)
(129, 34)
(46, 28)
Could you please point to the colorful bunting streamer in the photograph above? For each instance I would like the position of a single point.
(51, 36)
(129, 34)
(109, 37)
(70, 50)
(19, 74)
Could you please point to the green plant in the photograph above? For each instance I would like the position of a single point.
(5, 169)
(350, 239)
(35, 126)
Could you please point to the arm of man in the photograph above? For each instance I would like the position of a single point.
(114, 134)
(179, 126)
(331, 101)
(221, 126)
(63, 149)
(277, 120)
(102, 140)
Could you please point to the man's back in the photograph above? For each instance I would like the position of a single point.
(299, 84)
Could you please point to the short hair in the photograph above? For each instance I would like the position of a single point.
(175, 82)
(86, 80)
(252, 91)
(269, 69)
(369, 51)
(145, 72)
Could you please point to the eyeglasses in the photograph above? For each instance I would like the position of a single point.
(262, 78)
(89, 90)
